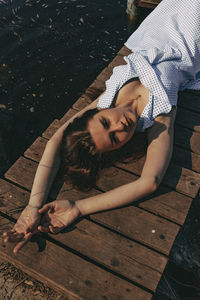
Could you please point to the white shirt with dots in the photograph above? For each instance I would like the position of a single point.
(165, 57)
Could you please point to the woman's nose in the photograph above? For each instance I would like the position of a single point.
(118, 126)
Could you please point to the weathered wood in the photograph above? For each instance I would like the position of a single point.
(124, 51)
(119, 254)
(188, 183)
(187, 139)
(36, 150)
(82, 102)
(12, 198)
(139, 225)
(105, 74)
(148, 3)
(117, 61)
(49, 132)
(168, 203)
(67, 272)
(23, 172)
(69, 114)
(188, 119)
(186, 159)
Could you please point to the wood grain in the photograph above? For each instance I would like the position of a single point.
(67, 272)
(117, 253)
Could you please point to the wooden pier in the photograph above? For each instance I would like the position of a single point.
(147, 3)
(118, 254)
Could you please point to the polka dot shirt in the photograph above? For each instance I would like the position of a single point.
(165, 56)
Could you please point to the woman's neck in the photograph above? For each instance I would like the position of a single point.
(135, 92)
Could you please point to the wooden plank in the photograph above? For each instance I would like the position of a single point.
(119, 254)
(36, 150)
(23, 171)
(187, 139)
(141, 226)
(188, 119)
(82, 102)
(186, 159)
(70, 113)
(148, 3)
(124, 51)
(117, 61)
(95, 89)
(49, 132)
(67, 272)
(168, 203)
(139, 220)
(105, 74)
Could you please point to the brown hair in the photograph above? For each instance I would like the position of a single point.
(81, 161)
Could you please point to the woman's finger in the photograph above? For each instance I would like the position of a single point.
(10, 232)
(43, 228)
(13, 239)
(22, 243)
(45, 208)
(55, 229)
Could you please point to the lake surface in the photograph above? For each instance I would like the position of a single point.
(50, 52)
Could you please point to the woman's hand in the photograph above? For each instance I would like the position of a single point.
(58, 215)
(24, 229)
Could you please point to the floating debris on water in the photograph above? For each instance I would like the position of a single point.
(80, 6)
(32, 109)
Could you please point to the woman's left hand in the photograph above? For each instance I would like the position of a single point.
(58, 215)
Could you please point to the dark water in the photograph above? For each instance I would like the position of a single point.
(50, 51)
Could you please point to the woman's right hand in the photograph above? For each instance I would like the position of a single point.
(24, 229)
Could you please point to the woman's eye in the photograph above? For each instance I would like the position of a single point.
(105, 123)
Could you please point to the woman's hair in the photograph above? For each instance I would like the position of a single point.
(81, 161)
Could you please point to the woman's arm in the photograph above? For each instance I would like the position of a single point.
(159, 152)
(61, 213)
(50, 163)
(30, 218)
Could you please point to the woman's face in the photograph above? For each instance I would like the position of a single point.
(111, 128)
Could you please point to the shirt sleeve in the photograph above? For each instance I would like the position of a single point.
(121, 74)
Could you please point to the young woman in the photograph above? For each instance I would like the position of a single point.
(140, 96)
